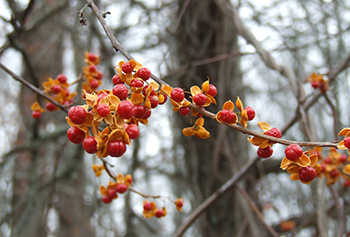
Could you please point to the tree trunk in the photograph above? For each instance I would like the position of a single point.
(206, 31)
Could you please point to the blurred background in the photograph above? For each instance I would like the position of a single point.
(261, 51)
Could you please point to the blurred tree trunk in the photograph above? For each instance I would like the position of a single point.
(43, 180)
(205, 31)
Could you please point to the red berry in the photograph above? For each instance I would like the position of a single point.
(212, 91)
(94, 84)
(307, 174)
(102, 110)
(147, 206)
(323, 167)
(274, 132)
(346, 183)
(99, 75)
(126, 67)
(116, 148)
(62, 78)
(116, 80)
(126, 109)
(112, 193)
(144, 73)
(140, 111)
(199, 99)
(92, 57)
(159, 213)
(121, 188)
(36, 114)
(101, 96)
(184, 111)
(228, 116)
(335, 173)
(56, 89)
(250, 113)
(50, 106)
(75, 135)
(147, 115)
(154, 101)
(265, 152)
(120, 91)
(136, 83)
(347, 142)
(107, 199)
(342, 158)
(90, 145)
(92, 68)
(177, 94)
(315, 84)
(133, 131)
(77, 115)
(293, 152)
(327, 160)
(179, 203)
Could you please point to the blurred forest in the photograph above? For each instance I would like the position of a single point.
(261, 51)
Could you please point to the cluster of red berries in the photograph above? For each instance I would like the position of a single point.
(265, 149)
(112, 190)
(58, 91)
(332, 167)
(91, 74)
(150, 209)
(121, 109)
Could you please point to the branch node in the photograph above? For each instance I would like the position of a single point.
(82, 19)
(104, 15)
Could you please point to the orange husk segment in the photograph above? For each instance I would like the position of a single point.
(161, 98)
(195, 90)
(207, 102)
(133, 63)
(304, 161)
(211, 98)
(308, 182)
(239, 104)
(318, 168)
(103, 190)
(313, 159)
(228, 105)
(285, 163)
(164, 211)
(294, 169)
(205, 86)
(294, 177)
(264, 126)
(344, 132)
(341, 146)
(200, 122)
(188, 131)
(244, 118)
(137, 98)
(202, 133)
(346, 169)
(167, 89)
(48, 84)
(256, 141)
(36, 107)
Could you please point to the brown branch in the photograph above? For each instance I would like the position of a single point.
(33, 88)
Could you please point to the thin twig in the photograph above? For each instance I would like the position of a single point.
(256, 210)
(33, 88)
